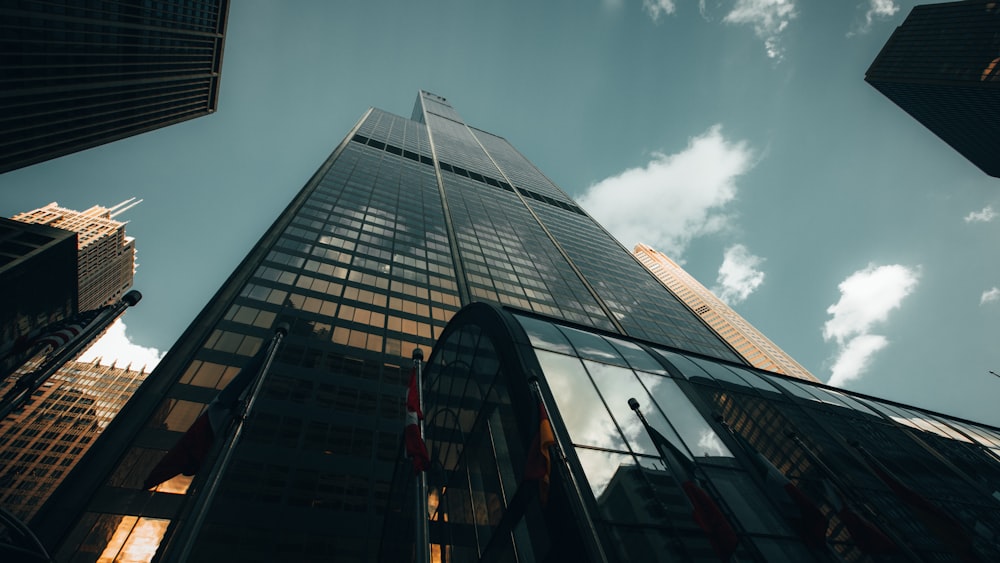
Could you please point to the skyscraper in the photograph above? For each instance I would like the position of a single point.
(37, 284)
(78, 74)
(41, 443)
(941, 67)
(106, 261)
(404, 223)
(755, 348)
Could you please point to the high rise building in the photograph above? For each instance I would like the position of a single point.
(37, 285)
(106, 261)
(942, 66)
(755, 348)
(77, 74)
(43, 441)
(406, 221)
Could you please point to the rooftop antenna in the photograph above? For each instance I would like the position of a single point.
(124, 206)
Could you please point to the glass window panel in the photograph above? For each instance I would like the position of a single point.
(582, 411)
(592, 346)
(917, 420)
(617, 385)
(760, 381)
(719, 371)
(601, 467)
(636, 357)
(544, 335)
(141, 540)
(693, 429)
(182, 415)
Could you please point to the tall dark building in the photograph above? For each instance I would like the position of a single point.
(38, 265)
(942, 66)
(77, 74)
(406, 221)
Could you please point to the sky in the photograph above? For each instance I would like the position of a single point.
(736, 136)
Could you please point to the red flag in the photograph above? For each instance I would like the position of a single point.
(539, 463)
(415, 446)
(187, 455)
(936, 520)
(866, 535)
(707, 513)
(808, 519)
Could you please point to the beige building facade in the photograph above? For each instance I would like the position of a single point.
(40, 443)
(106, 264)
(748, 342)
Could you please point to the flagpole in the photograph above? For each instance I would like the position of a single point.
(27, 384)
(591, 536)
(843, 490)
(189, 532)
(422, 537)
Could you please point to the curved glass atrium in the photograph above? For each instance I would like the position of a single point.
(726, 462)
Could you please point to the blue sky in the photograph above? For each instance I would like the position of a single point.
(737, 136)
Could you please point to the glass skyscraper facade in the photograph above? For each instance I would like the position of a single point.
(942, 66)
(407, 221)
(78, 73)
(799, 471)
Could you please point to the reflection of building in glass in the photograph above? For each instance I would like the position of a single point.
(106, 261)
(42, 442)
(941, 67)
(748, 342)
(614, 499)
(78, 74)
(37, 285)
(406, 221)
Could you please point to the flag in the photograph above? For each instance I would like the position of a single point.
(538, 466)
(706, 513)
(937, 521)
(64, 333)
(415, 446)
(193, 447)
(808, 519)
(866, 535)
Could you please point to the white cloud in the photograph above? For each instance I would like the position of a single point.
(866, 299)
(991, 295)
(768, 18)
(876, 9)
(738, 275)
(657, 8)
(985, 215)
(855, 357)
(673, 198)
(116, 347)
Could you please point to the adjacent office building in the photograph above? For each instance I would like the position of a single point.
(42, 442)
(77, 74)
(430, 233)
(942, 66)
(106, 261)
(755, 348)
(37, 284)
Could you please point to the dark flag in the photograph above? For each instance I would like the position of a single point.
(193, 447)
(808, 519)
(415, 446)
(538, 466)
(866, 535)
(937, 521)
(54, 337)
(706, 513)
